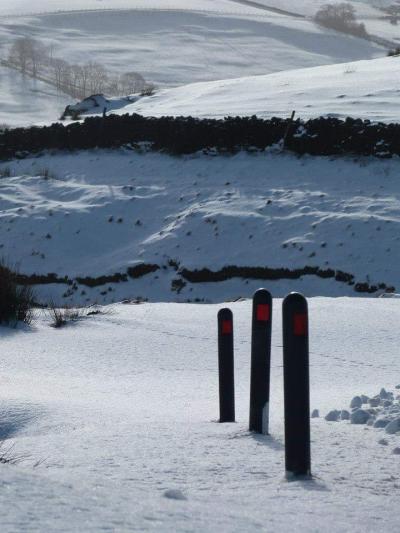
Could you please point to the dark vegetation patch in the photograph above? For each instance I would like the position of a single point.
(138, 271)
(274, 274)
(185, 135)
(102, 280)
(42, 279)
(203, 275)
(16, 300)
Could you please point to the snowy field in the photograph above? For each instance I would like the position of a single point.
(368, 12)
(172, 43)
(172, 47)
(21, 7)
(24, 101)
(120, 411)
(101, 212)
(362, 89)
(112, 420)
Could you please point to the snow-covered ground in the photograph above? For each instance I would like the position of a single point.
(21, 7)
(100, 212)
(363, 89)
(114, 417)
(122, 410)
(24, 101)
(171, 43)
(188, 45)
(368, 12)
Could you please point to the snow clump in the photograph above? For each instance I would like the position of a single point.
(382, 412)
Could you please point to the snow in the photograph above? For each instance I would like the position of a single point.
(24, 101)
(362, 89)
(175, 46)
(114, 417)
(22, 7)
(120, 412)
(369, 12)
(100, 212)
(172, 43)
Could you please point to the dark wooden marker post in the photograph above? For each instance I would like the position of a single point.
(260, 362)
(225, 364)
(296, 386)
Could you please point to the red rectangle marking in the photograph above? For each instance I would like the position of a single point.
(227, 327)
(300, 324)
(263, 312)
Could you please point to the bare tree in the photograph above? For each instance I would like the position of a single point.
(28, 54)
(33, 57)
(19, 54)
(113, 85)
(132, 82)
(58, 67)
(97, 78)
(37, 54)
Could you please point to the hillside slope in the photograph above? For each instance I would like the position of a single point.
(362, 89)
(172, 45)
(100, 213)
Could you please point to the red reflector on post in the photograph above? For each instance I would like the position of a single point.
(227, 327)
(300, 324)
(263, 312)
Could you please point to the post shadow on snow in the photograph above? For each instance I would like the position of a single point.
(265, 440)
(310, 483)
(268, 440)
(15, 417)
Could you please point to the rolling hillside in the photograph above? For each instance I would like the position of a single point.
(171, 43)
(360, 89)
(132, 223)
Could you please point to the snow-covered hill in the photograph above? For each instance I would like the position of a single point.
(22, 7)
(362, 89)
(172, 43)
(119, 411)
(99, 213)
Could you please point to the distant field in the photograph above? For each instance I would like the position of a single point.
(177, 47)
(24, 101)
(174, 43)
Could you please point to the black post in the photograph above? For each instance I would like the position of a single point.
(260, 362)
(296, 385)
(225, 364)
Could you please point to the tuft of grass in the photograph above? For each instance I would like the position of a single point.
(148, 90)
(5, 172)
(47, 174)
(7, 457)
(16, 301)
(61, 316)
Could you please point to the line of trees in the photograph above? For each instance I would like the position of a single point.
(33, 58)
(341, 17)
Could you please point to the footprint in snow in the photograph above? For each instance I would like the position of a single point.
(174, 494)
